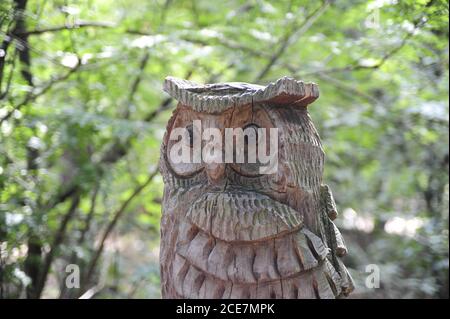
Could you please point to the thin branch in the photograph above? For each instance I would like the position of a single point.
(84, 231)
(162, 107)
(136, 82)
(7, 40)
(36, 92)
(87, 222)
(290, 35)
(91, 292)
(58, 239)
(10, 77)
(356, 66)
(116, 216)
(217, 41)
(20, 42)
(74, 26)
(351, 90)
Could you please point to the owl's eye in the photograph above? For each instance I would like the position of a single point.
(190, 136)
(251, 131)
(183, 141)
(246, 160)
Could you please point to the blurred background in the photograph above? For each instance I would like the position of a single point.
(82, 113)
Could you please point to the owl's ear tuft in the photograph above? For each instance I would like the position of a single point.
(286, 91)
(216, 98)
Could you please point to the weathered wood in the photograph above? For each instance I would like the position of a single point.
(227, 232)
(216, 98)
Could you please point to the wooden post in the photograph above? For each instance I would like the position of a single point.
(228, 229)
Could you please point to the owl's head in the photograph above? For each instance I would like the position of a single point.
(282, 105)
(278, 109)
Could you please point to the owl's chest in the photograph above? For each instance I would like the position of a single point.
(290, 265)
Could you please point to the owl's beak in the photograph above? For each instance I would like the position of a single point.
(215, 172)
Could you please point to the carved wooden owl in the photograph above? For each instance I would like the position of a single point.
(228, 231)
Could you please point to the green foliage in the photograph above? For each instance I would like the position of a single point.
(83, 116)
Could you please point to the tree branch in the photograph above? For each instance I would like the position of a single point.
(22, 45)
(17, 11)
(58, 239)
(10, 77)
(290, 35)
(116, 216)
(36, 92)
(84, 231)
(74, 26)
(136, 82)
(351, 90)
(356, 66)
